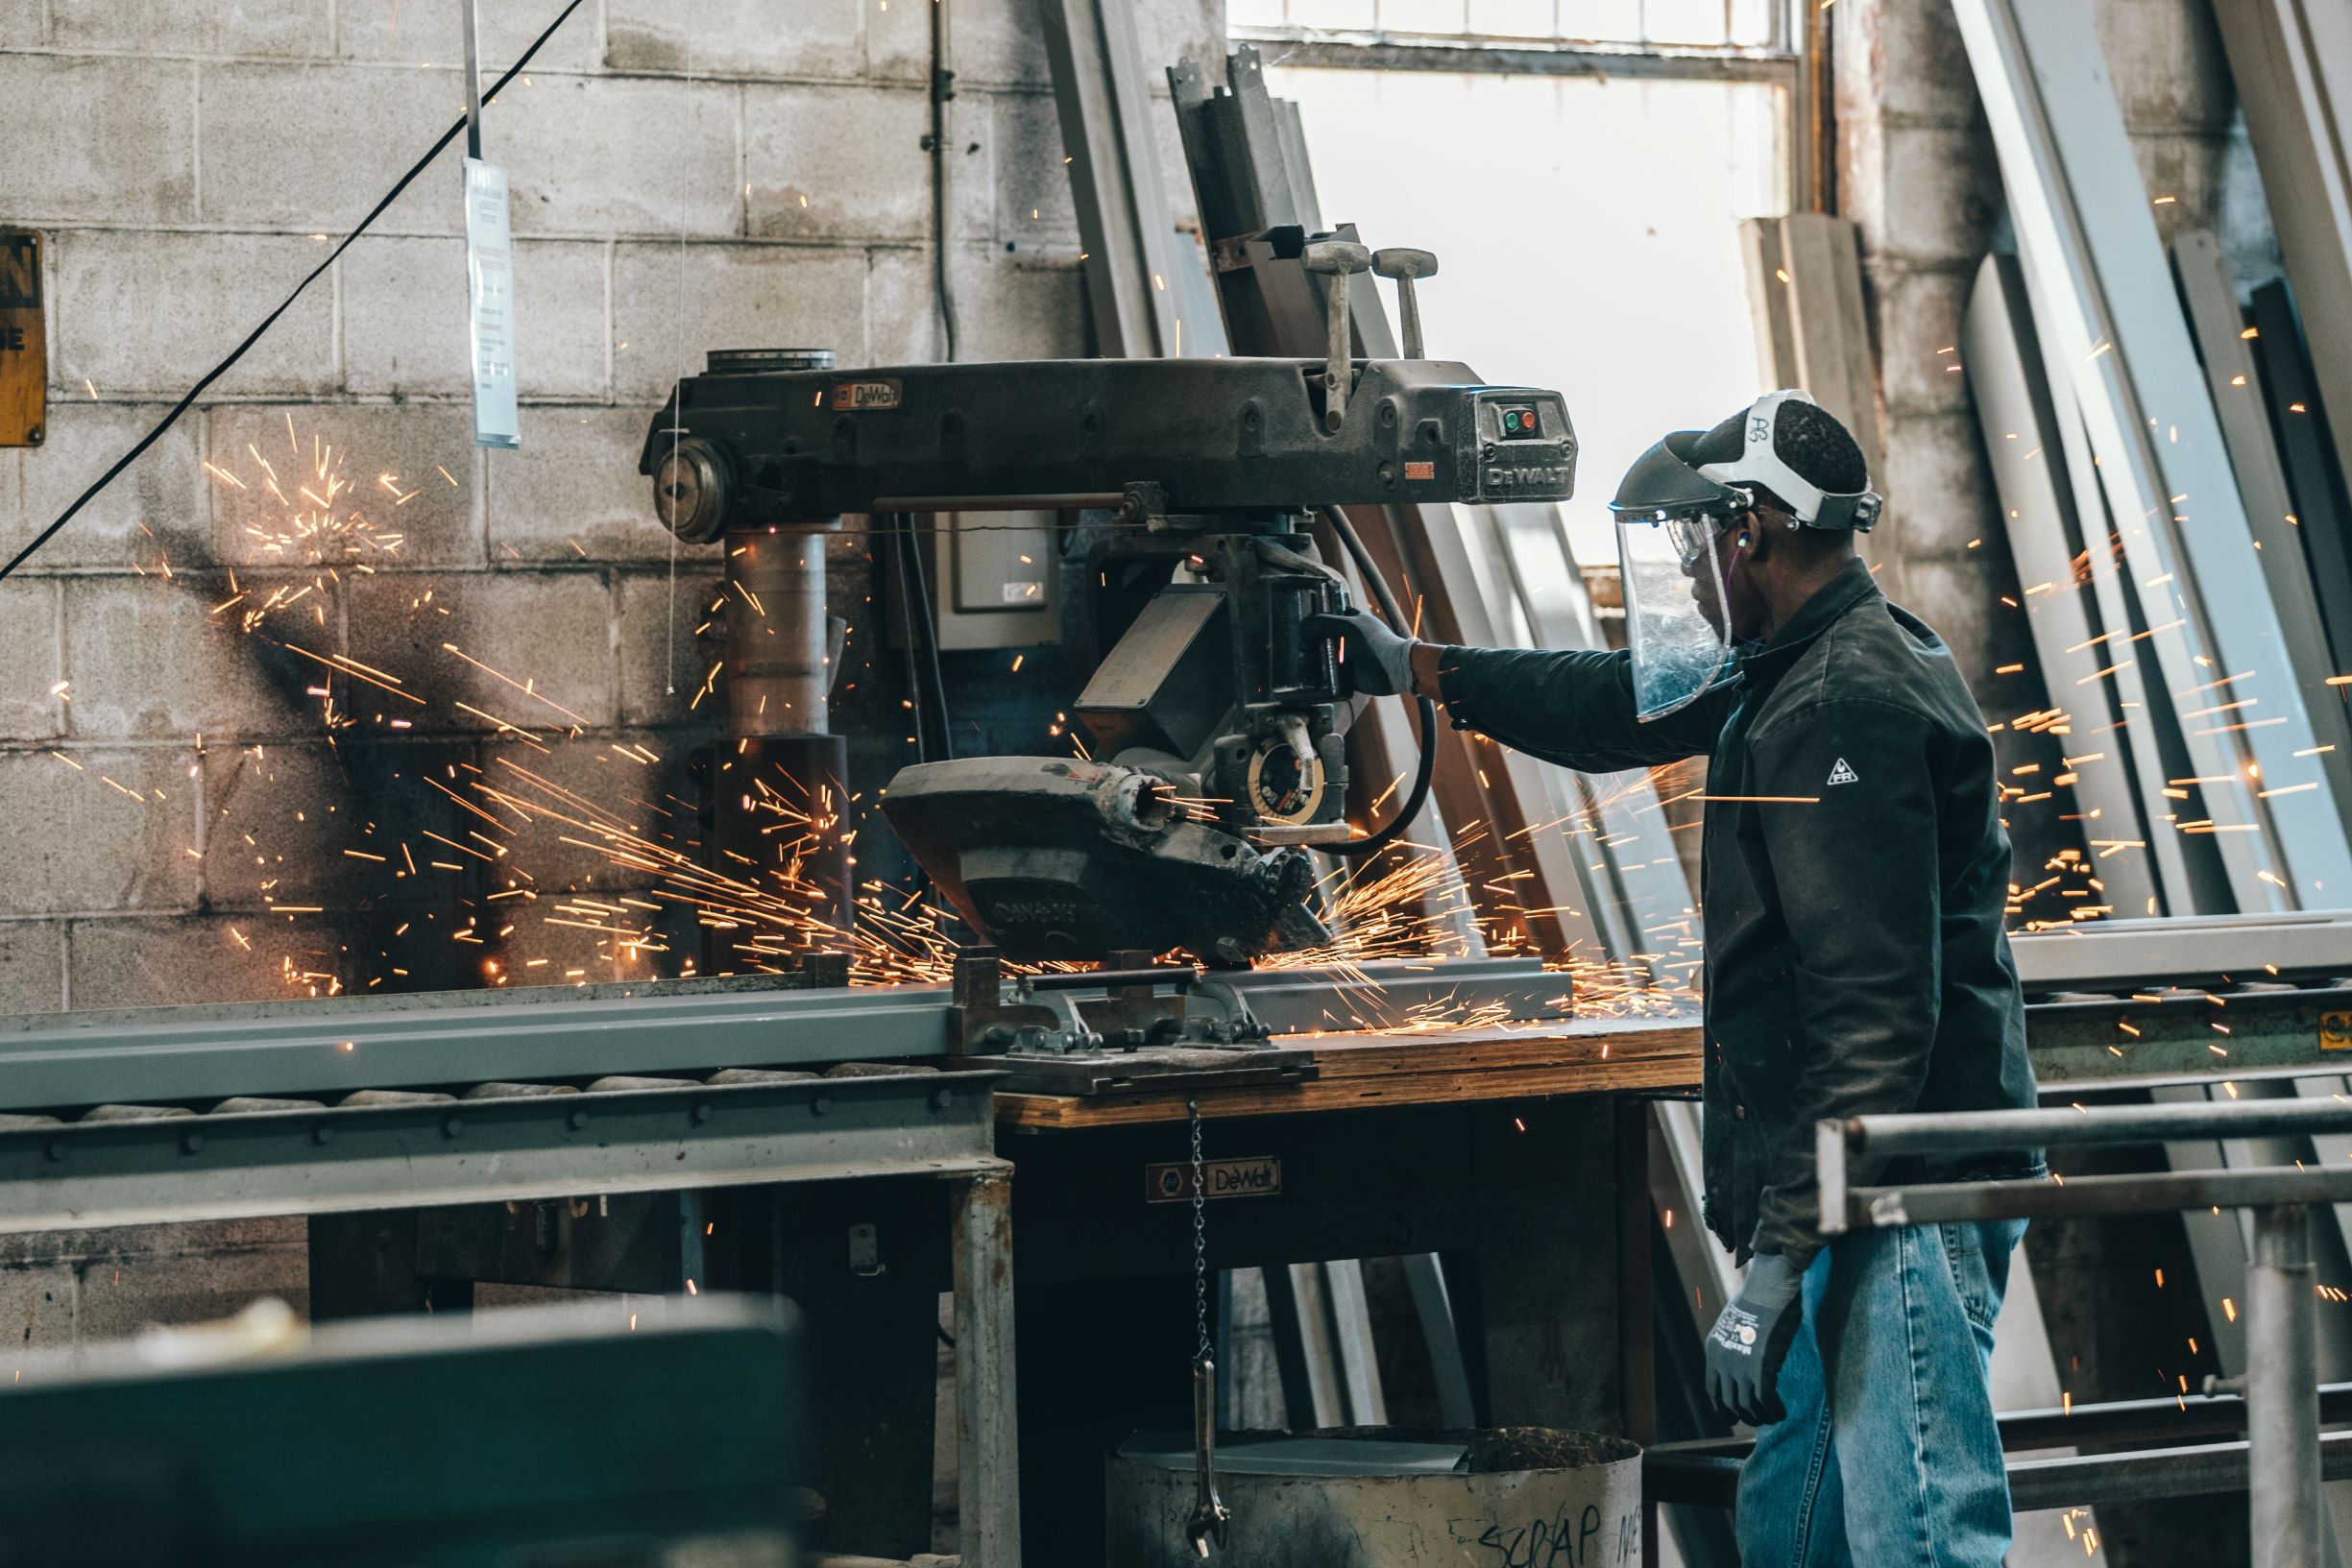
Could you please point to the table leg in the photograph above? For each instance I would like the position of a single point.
(988, 1485)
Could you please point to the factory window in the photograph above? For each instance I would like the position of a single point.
(1540, 187)
(1747, 23)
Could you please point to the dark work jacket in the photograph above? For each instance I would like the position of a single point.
(1854, 875)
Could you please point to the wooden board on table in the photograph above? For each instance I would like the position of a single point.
(1438, 1067)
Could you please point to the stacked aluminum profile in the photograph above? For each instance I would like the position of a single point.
(2154, 482)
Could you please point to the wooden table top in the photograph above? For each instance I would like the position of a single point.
(1570, 1056)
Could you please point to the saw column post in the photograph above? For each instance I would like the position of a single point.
(776, 781)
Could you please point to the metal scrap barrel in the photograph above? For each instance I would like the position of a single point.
(1374, 1497)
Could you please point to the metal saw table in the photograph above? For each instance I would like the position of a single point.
(752, 1134)
(1519, 1154)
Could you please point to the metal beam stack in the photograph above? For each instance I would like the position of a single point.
(2180, 599)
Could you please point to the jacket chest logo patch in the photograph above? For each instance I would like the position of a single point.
(1843, 774)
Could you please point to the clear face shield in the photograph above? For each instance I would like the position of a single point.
(1676, 624)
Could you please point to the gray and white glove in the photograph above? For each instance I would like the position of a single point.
(1377, 661)
(1751, 1339)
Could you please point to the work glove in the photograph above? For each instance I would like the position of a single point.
(1379, 661)
(1751, 1339)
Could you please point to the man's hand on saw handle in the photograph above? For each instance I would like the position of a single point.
(1378, 660)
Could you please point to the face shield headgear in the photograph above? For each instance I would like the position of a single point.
(1671, 517)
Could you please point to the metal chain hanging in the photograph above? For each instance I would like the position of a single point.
(1207, 1347)
(1211, 1523)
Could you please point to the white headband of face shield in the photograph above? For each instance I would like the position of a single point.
(1760, 464)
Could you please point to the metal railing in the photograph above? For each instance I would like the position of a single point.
(2283, 1452)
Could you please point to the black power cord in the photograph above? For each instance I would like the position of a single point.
(1373, 844)
(271, 320)
(928, 620)
(921, 629)
(901, 546)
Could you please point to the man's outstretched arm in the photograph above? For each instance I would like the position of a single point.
(1574, 709)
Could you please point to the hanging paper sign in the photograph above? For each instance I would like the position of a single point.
(24, 353)
(490, 278)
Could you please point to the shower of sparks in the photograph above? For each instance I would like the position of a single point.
(563, 840)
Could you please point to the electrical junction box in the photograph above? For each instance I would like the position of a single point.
(24, 343)
(994, 578)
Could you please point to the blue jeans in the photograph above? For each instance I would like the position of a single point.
(1889, 1457)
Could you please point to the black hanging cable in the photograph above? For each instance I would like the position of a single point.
(943, 88)
(271, 320)
(1355, 847)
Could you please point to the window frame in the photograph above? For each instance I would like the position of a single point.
(1794, 60)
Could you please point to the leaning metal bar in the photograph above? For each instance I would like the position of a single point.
(2282, 1404)
(2019, 410)
(245, 1165)
(2087, 236)
(1121, 193)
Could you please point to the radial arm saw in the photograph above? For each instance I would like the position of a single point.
(1217, 725)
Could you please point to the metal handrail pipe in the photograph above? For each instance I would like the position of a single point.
(2284, 1460)
(1954, 1132)
(2154, 1423)
(1943, 1203)
(1712, 1481)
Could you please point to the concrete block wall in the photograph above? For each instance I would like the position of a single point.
(687, 175)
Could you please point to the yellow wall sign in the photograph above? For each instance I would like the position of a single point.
(2335, 1031)
(24, 345)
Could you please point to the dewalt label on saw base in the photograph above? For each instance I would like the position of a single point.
(2335, 1031)
(24, 341)
(1260, 1176)
(856, 394)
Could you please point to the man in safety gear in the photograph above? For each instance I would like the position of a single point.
(1856, 872)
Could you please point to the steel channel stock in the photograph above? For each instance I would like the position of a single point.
(2140, 1042)
(2119, 955)
(341, 1045)
(406, 1150)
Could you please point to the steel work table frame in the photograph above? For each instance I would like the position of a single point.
(353, 1166)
